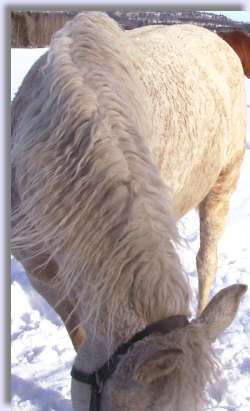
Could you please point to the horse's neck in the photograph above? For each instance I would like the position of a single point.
(101, 341)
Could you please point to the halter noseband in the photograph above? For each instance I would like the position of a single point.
(98, 378)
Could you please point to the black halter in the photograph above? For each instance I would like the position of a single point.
(98, 378)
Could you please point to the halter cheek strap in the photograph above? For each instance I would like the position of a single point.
(96, 386)
(98, 378)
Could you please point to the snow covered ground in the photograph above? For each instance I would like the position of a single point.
(42, 353)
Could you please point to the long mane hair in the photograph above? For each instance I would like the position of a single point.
(90, 194)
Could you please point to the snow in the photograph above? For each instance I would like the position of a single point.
(42, 353)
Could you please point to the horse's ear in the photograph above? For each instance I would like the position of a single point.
(159, 364)
(221, 310)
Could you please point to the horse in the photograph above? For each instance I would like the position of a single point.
(115, 135)
(240, 42)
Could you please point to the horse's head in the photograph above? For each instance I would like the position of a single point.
(246, 51)
(166, 372)
(240, 42)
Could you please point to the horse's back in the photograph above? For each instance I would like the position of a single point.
(196, 84)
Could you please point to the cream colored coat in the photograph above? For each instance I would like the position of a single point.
(195, 86)
(197, 107)
(100, 126)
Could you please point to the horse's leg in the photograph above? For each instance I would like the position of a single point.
(41, 274)
(213, 211)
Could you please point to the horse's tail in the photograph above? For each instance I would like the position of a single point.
(80, 162)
